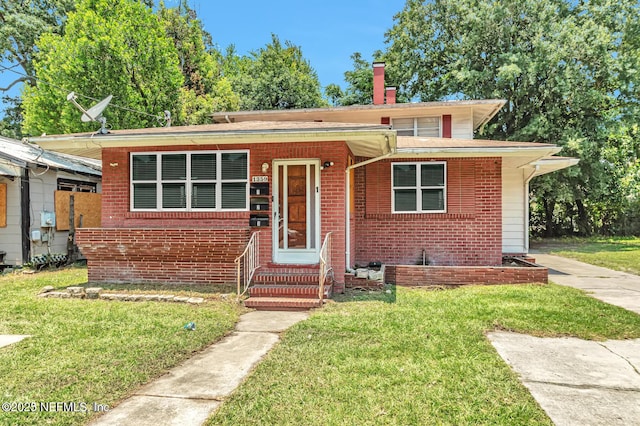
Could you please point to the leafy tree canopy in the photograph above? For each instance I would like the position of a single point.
(116, 47)
(21, 23)
(205, 90)
(359, 80)
(276, 77)
(568, 70)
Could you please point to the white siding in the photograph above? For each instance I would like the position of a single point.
(42, 188)
(10, 240)
(42, 193)
(514, 211)
(462, 123)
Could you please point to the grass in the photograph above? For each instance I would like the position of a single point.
(413, 356)
(92, 350)
(618, 253)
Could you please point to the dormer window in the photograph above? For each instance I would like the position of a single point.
(418, 126)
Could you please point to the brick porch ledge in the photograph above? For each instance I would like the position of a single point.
(418, 275)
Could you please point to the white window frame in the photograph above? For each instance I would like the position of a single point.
(415, 124)
(419, 187)
(188, 182)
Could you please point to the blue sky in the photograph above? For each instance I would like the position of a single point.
(327, 31)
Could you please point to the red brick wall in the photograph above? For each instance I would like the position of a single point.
(469, 233)
(169, 255)
(116, 203)
(413, 275)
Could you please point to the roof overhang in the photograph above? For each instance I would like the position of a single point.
(551, 164)
(483, 111)
(514, 154)
(362, 142)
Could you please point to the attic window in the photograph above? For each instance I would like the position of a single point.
(419, 187)
(189, 181)
(418, 126)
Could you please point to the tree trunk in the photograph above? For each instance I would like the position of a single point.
(549, 207)
(583, 219)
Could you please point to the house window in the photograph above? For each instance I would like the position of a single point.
(419, 126)
(76, 185)
(419, 187)
(190, 181)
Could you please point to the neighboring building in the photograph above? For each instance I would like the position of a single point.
(395, 183)
(29, 179)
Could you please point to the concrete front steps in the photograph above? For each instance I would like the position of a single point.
(286, 289)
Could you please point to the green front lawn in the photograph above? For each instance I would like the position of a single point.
(414, 358)
(619, 253)
(92, 351)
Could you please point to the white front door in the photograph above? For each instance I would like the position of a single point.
(296, 211)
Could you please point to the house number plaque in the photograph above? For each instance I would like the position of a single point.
(260, 179)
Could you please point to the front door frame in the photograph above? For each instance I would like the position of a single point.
(311, 254)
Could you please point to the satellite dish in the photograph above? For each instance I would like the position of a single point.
(94, 113)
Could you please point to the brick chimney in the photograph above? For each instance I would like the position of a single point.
(378, 83)
(391, 95)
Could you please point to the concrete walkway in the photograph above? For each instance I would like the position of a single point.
(616, 288)
(580, 382)
(190, 393)
(577, 382)
(10, 339)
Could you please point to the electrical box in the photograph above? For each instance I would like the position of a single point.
(47, 219)
(36, 235)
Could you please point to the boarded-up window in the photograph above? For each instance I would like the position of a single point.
(85, 204)
(3, 205)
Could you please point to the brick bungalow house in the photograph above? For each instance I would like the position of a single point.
(400, 184)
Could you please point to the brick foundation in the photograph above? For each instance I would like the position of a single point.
(170, 255)
(417, 275)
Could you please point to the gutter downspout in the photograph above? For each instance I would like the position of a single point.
(347, 251)
(526, 206)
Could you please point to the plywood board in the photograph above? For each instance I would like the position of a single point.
(87, 204)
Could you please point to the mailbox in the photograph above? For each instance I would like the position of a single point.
(259, 189)
(258, 220)
(259, 204)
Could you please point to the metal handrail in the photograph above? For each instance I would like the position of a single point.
(325, 263)
(246, 269)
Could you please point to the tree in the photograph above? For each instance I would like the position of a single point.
(205, 90)
(21, 23)
(114, 47)
(360, 82)
(276, 77)
(10, 123)
(566, 68)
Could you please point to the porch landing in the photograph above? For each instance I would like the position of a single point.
(287, 288)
